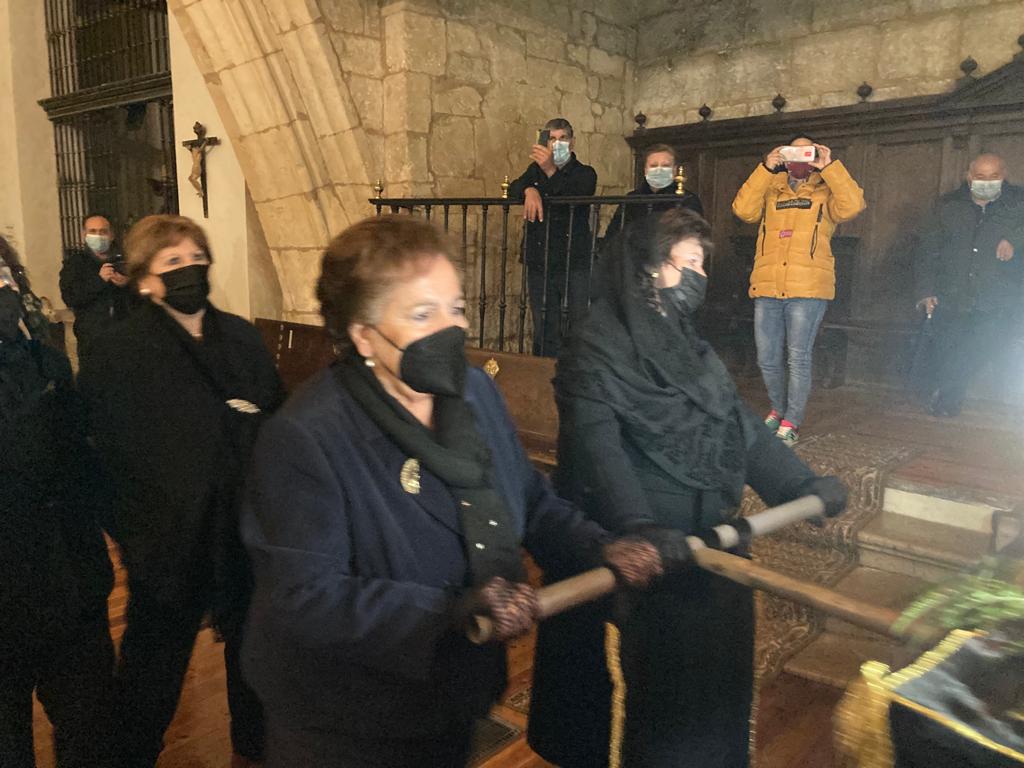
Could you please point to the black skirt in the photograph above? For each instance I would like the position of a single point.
(686, 653)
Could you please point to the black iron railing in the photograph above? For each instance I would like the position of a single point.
(551, 250)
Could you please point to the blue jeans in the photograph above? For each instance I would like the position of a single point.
(788, 325)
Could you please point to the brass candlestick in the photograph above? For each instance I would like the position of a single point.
(379, 188)
(680, 180)
(504, 188)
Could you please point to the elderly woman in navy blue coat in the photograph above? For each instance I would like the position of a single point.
(388, 502)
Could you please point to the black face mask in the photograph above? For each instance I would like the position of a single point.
(187, 288)
(435, 364)
(688, 294)
(10, 315)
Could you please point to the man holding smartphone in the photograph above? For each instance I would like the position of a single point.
(92, 282)
(798, 194)
(555, 172)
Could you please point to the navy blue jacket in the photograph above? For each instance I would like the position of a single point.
(350, 625)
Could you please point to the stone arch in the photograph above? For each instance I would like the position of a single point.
(275, 74)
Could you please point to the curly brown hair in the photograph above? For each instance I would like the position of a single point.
(152, 234)
(361, 264)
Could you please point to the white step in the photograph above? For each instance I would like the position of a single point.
(927, 550)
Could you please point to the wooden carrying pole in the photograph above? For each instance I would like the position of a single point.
(591, 585)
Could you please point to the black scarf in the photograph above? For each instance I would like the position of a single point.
(456, 453)
(670, 391)
(27, 372)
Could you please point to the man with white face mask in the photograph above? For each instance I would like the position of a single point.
(92, 282)
(555, 172)
(969, 275)
(660, 164)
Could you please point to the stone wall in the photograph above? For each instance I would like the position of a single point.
(736, 55)
(324, 97)
(29, 214)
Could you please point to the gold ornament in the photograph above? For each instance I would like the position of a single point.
(409, 477)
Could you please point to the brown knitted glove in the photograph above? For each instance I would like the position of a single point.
(512, 607)
(635, 560)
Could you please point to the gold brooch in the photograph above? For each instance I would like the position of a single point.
(409, 477)
(491, 368)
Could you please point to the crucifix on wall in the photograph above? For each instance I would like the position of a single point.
(198, 148)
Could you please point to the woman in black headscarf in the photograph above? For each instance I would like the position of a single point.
(653, 432)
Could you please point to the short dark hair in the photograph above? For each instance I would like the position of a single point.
(559, 124)
(362, 263)
(10, 257)
(679, 224)
(660, 148)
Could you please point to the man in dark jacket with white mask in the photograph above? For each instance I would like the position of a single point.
(92, 282)
(969, 272)
(555, 172)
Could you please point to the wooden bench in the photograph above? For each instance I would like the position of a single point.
(301, 350)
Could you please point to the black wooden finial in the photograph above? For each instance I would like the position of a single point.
(864, 90)
(641, 121)
(704, 112)
(968, 65)
(779, 102)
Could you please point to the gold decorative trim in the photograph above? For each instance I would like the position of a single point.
(410, 476)
(862, 718)
(491, 368)
(612, 644)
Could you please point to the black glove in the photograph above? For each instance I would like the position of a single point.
(829, 489)
(512, 608)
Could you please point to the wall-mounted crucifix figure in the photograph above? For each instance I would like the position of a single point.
(198, 148)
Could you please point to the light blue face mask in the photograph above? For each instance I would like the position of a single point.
(560, 153)
(658, 177)
(986, 189)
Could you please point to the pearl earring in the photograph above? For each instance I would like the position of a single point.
(655, 274)
(368, 362)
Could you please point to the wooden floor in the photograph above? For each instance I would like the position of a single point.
(794, 727)
(794, 724)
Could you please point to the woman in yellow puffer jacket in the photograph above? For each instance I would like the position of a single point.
(794, 274)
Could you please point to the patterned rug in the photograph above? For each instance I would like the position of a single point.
(492, 734)
(820, 555)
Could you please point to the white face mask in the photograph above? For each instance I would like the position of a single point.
(983, 189)
(659, 177)
(560, 153)
(97, 243)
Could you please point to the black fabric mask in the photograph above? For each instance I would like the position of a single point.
(435, 364)
(688, 294)
(187, 288)
(10, 315)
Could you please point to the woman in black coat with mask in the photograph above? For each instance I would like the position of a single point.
(177, 392)
(54, 571)
(653, 432)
